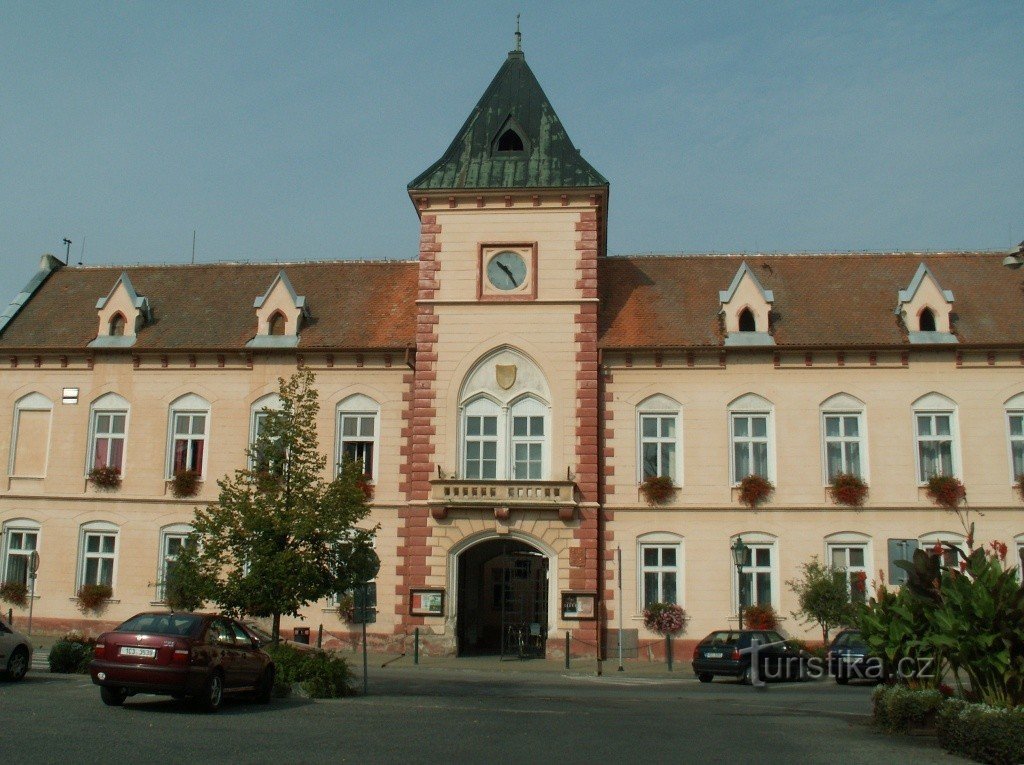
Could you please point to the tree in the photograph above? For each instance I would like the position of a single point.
(823, 596)
(279, 536)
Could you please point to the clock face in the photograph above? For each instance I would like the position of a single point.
(507, 270)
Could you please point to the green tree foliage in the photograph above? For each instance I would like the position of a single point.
(279, 536)
(823, 596)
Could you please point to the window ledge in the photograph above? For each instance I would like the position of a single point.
(112, 601)
(741, 339)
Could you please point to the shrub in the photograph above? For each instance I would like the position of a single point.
(14, 593)
(665, 618)
(185, 484)
(323, 675)
(755, 490)
(982, 733)
(71, 654)
(760, 618)
(657, 489)
(900, 709)
(946, 491)
(105, 477)
(848, 489)
(92, 598)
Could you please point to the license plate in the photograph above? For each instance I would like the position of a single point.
(148, 653)
(713, 655)
(851, 659)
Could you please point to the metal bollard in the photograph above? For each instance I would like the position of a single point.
(668, 651)
(10, 616)
(567, 648)
(320, 636)
(416, 647)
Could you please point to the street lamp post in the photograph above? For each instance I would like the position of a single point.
(739, 551)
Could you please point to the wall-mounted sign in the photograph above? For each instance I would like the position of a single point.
(426, 602)
(579, 605)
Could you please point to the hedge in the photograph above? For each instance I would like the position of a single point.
(982, 733)
(71, 655)
(321, 674)
(900, 709)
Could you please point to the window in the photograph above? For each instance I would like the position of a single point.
(850, 556)
(99, 554)
(19, 540)
(358, 432)
(109, 426)
(277, 324)
(30, 441)
(259, 411)
(190, 421)
(746, 321)
(750, 430)
(172, 540)
(926, 320)
(481, 440)
(659, 438)
(842, 425)
(661, 562)
(900, 550)
(935, 432)
(939, 542)
(510, 140)
(1015, 427)
(757, 578)
(117, 323)
(528, 440)
(1020, 558)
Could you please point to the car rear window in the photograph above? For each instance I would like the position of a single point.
(850, 640)
(181, 625)
(720, 638)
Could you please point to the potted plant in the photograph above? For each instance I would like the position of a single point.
(946, 491)
(657, 489)
(848, 489)
(760, 618)
(666, 619)
(93, 598)
(185, 483)
(105, 477)
(14, 593)
(754, 490)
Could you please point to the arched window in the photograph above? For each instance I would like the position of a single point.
(482, 443)
(108, 425)
(259, 411)
(752, 435)
(1015, 424)
(359, 432)
(529, 439)
(660, 569)
(172, 540)
(926, 320)
(97, 553)
(935, 427)
(939, 543)
(843, 437)
(190, 428)
(20, 539)
(277, 324)
(30, 441)
(757, 582)
(850, 552)
(510, 140)
(660, 446)
(746, 319)
(117, 323)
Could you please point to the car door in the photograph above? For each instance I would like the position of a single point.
(6, 645)
(250, 665)
(221, 641)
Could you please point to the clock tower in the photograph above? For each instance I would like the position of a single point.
(503, 432)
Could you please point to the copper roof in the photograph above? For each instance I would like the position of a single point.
(357, 305)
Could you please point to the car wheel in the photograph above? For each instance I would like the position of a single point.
(746, 677)
(17, 665)
(842, 678)
(213, 693)
(112, 695)
(265, 689)
(705, 677)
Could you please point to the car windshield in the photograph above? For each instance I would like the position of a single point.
(162, 624)
(721, 638)
(850, 641)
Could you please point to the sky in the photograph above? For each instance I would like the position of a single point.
(288, 131)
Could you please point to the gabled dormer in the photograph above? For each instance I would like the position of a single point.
(746, 306)
(122, 313)
(279, 315)
(926, 308)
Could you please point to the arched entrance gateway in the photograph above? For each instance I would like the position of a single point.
(502, 599)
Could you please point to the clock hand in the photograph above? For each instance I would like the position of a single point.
(505, 268)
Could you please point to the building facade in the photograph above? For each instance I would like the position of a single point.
(509, 392)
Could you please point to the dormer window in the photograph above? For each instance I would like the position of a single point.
(277, 324)
(746, 321)
(926, 321)
(122, 313)
(510, 140)
(117, 324)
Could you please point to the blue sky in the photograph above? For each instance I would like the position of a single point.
(288, 131)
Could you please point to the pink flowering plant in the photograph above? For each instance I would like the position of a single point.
(665, 618)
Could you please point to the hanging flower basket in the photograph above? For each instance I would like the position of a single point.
(946, 491)
(665, 618)
(848, 489)
(657, 489)
(14, 593)
(93, 598)
(754, 490)
(760, 618)
(185, 484)
(105, 477)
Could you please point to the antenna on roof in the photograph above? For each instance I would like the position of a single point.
(67, 251)
(519, 36)
(81, 254)
(193, 247)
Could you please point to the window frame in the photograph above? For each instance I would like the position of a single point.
(357, 405)
(107, 404)
(1014, 407)
(17, 526)
(847, 541)
(844, 405)
(752, 405)
(174, 531)
(928, 541)
(936, 405)
(485, 405)
(754, 541)
(660, 540)
(258, 410)
(101, 529)
(31, 402)
(660, 405)
(188, 405)
(527, 406)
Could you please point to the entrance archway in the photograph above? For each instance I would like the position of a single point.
(502, 600)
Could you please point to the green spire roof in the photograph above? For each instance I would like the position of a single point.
(537, 153)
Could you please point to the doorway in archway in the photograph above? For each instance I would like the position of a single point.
(503, 600)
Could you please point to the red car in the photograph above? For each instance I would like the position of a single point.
(184, 655)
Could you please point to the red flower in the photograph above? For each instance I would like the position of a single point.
(859, 580)
(999, 549)
(937, 549)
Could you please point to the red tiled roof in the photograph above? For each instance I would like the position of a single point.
(357, 305)
(820, 300)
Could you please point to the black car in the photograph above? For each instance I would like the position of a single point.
(720, 654)
(849, 658)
